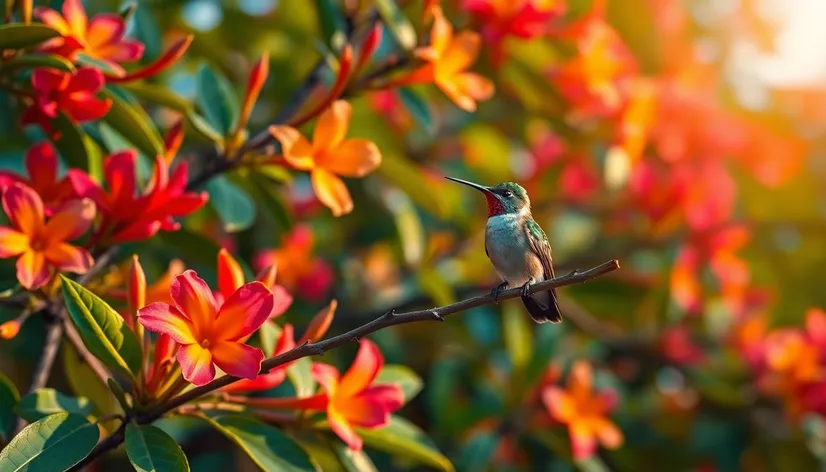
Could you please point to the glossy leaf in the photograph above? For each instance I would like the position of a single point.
(402, 376)
(301, 377)
(132, 122)
(48, 401)
(53, 444)
(418, 109)
(16, 36)
(151, 450)
(402, 438)
(217, 99)
(399, 26)
(106, 67)
(235, 208)
(167, 98)
(266, 445)
(147, 32)
(102, 329)
(9, 397)
(72, 144)
(32, 61)
(119, 394)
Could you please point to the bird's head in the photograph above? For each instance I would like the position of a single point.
(503, 198)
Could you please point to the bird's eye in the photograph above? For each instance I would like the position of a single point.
(507, 194)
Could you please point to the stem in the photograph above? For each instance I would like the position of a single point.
(54, 334)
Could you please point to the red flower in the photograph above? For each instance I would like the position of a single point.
(72, 94)
(129, 215)
(41, 166)
(276, 375)
(300, 270)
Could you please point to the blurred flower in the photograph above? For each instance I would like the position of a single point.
(256, 81)
(546, 146)
(231, 278)
(330, 155)
(352, 401)
(301, 271)
(584, 412)
(163, 359)
(716, 249)
(678, 346)
(169, 57)
(525, 19)
(320, 324)
(41, 245)
(579, 180)
(448, 57)
(208, 334)
(129, 215)
(636, 118)
(42, 165)
(101, 39)
(72, 94)
(659, 190)
(9, 329)
(172, 141)
(387, 103)
(276, 375)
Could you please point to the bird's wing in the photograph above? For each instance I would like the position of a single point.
(541, 247)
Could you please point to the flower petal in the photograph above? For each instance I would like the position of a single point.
(327, 376)
(390, 396)
(580, 380)
(343, 430)
(244, 312)
(170, 56)
(73, 219)
(353, 158)
(32, 271)
(236, 359)
(52, 18)
(48, 80)
(365, 412)
(41, 164)
(230, 274)
(461, 53)
(165, 319)
(104, 29)
(583, 442)
(194, 300)
(332, 192)
(559, 404)
(364, 370)
(332, 125)
(69, 258)
(24, 209)
(75, 16)
(196, 364)
(263, 382)
(608, 434)
(283, 300)
(83, 108)
(12, 242)
(441, 34)
(294, 146)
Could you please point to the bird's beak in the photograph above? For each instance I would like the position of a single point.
(481, 188)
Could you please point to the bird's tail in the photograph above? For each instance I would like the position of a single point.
(542, 313)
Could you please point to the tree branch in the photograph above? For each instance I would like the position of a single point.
(54, 333)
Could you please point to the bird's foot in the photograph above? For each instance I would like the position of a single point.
(498, 291)
(526, 288)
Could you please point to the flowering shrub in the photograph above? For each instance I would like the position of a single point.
(202, 199)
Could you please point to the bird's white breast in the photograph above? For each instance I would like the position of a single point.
(509, 250)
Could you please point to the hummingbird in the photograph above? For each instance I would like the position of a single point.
(518, 248)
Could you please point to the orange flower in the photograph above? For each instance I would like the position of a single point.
(329, 155)
(42, 245)
(584, 411)
(209, 334)
(231, 278)
(352, 400)
(303, 272)
(101, 38)
(448, 57)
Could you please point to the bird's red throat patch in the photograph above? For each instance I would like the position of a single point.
(494, 205)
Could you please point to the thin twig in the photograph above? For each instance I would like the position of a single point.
(100, 371)
(54, 333)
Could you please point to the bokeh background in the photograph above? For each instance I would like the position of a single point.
(683, 138)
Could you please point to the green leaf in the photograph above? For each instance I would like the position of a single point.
(102, 329)
(147, 32)
(418, 109)
(267, 446)
(350, 460)
(217, 99)
(403, 376)
(435, 286)
(103, 66)
(84, 382)
(16, 36)
(404, 439)
(300, 374)
(169, 99)
(32, 61)
(119, 394)
(8, 399)
(235, 208)
(48, 401)
(332, 22)
(399, 26)
(132, 122)
(53, 444)
(518, 335)
(476, 454)
(151, 450)
(73, 144)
